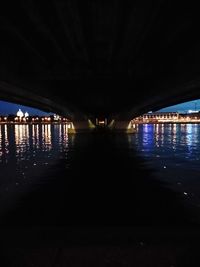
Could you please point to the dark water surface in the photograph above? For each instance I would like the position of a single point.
(99, 199)
(52, 179)
(173, 151)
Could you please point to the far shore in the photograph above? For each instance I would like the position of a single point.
(169, 122)
(24, 123)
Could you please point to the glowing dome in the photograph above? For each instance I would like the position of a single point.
(26, 114)
(56, 117)
(20, 113)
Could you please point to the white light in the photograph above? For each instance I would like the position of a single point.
(192, 111)
(20, 113)
(26, 115)
(56, 117)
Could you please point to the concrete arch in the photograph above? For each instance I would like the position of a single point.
(160, 98)
(23, 96)
(165, 97)
(128, 59)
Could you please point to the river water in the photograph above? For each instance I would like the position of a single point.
(48, 177)
(173, 151)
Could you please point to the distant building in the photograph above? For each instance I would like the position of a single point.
(56, 117)
(24, 118)
(192, 111)
(190, 116)
(20, 113)
(160, 117)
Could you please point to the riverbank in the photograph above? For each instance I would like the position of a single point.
(168, 122)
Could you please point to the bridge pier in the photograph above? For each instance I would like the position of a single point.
(125, 126)
(81, 126)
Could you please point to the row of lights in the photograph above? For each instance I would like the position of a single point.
(33, 119)
(5, 118)
(23, 117)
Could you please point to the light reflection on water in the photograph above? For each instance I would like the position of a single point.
(173, 151)
(24, 138)
(151, 139)
(28, 150)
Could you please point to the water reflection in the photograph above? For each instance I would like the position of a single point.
(35, 136)
(32, 150)
(29, 150)
(170, 137)
(21, 140)
(148, 136)
(4, 144)
(173, 151)
(46, 137)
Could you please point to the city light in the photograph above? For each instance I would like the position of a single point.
(25, 118)
(168, 117)
(26, 114)
(192, 111)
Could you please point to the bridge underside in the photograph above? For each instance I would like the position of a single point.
(88, 60)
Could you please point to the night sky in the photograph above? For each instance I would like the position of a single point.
(10, 108)
(184, 107)
(7, 108)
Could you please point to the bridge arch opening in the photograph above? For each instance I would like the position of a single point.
(13, 113)
(181, 113)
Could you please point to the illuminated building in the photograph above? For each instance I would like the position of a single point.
(173, 117)
(20, 114)
(155, 117)
(24, 118)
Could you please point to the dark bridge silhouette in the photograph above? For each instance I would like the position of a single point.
(88, 59)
